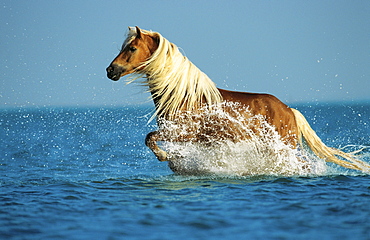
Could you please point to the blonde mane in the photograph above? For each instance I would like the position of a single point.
(176, 84)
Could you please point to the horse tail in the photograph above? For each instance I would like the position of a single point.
(321, 150)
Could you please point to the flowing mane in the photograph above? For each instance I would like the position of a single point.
(175, 82)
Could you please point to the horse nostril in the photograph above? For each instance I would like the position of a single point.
(109, 69)
(114, 72)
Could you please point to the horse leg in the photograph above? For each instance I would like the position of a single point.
(151, 141)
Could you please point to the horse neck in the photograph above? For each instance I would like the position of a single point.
(176, 84)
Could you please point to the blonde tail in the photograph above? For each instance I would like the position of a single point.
(323, 151)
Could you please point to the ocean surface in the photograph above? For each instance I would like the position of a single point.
(85, 173)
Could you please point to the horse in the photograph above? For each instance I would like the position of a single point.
(181, 92)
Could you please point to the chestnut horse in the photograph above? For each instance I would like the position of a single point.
(180, 89)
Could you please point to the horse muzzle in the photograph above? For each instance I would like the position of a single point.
(114, 72)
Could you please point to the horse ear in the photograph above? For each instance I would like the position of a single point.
(138, 32)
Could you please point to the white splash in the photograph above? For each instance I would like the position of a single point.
(261, 153)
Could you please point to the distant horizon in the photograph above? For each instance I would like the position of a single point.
(151, 105)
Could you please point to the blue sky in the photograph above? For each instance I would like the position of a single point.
(54, 53)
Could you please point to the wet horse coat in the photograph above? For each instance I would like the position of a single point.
(180, 89)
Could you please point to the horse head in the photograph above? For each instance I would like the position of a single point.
(136, 49)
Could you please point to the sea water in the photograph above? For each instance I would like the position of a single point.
(85, 173)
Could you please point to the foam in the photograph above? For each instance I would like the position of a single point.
(261, 152)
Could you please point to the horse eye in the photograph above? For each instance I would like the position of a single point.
(132, 49)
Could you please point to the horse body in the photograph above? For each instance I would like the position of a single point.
(182, 93)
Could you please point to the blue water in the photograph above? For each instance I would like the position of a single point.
(85, 173)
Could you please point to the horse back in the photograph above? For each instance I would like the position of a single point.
(275, 112)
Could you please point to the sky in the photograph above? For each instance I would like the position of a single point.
(54, 53)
